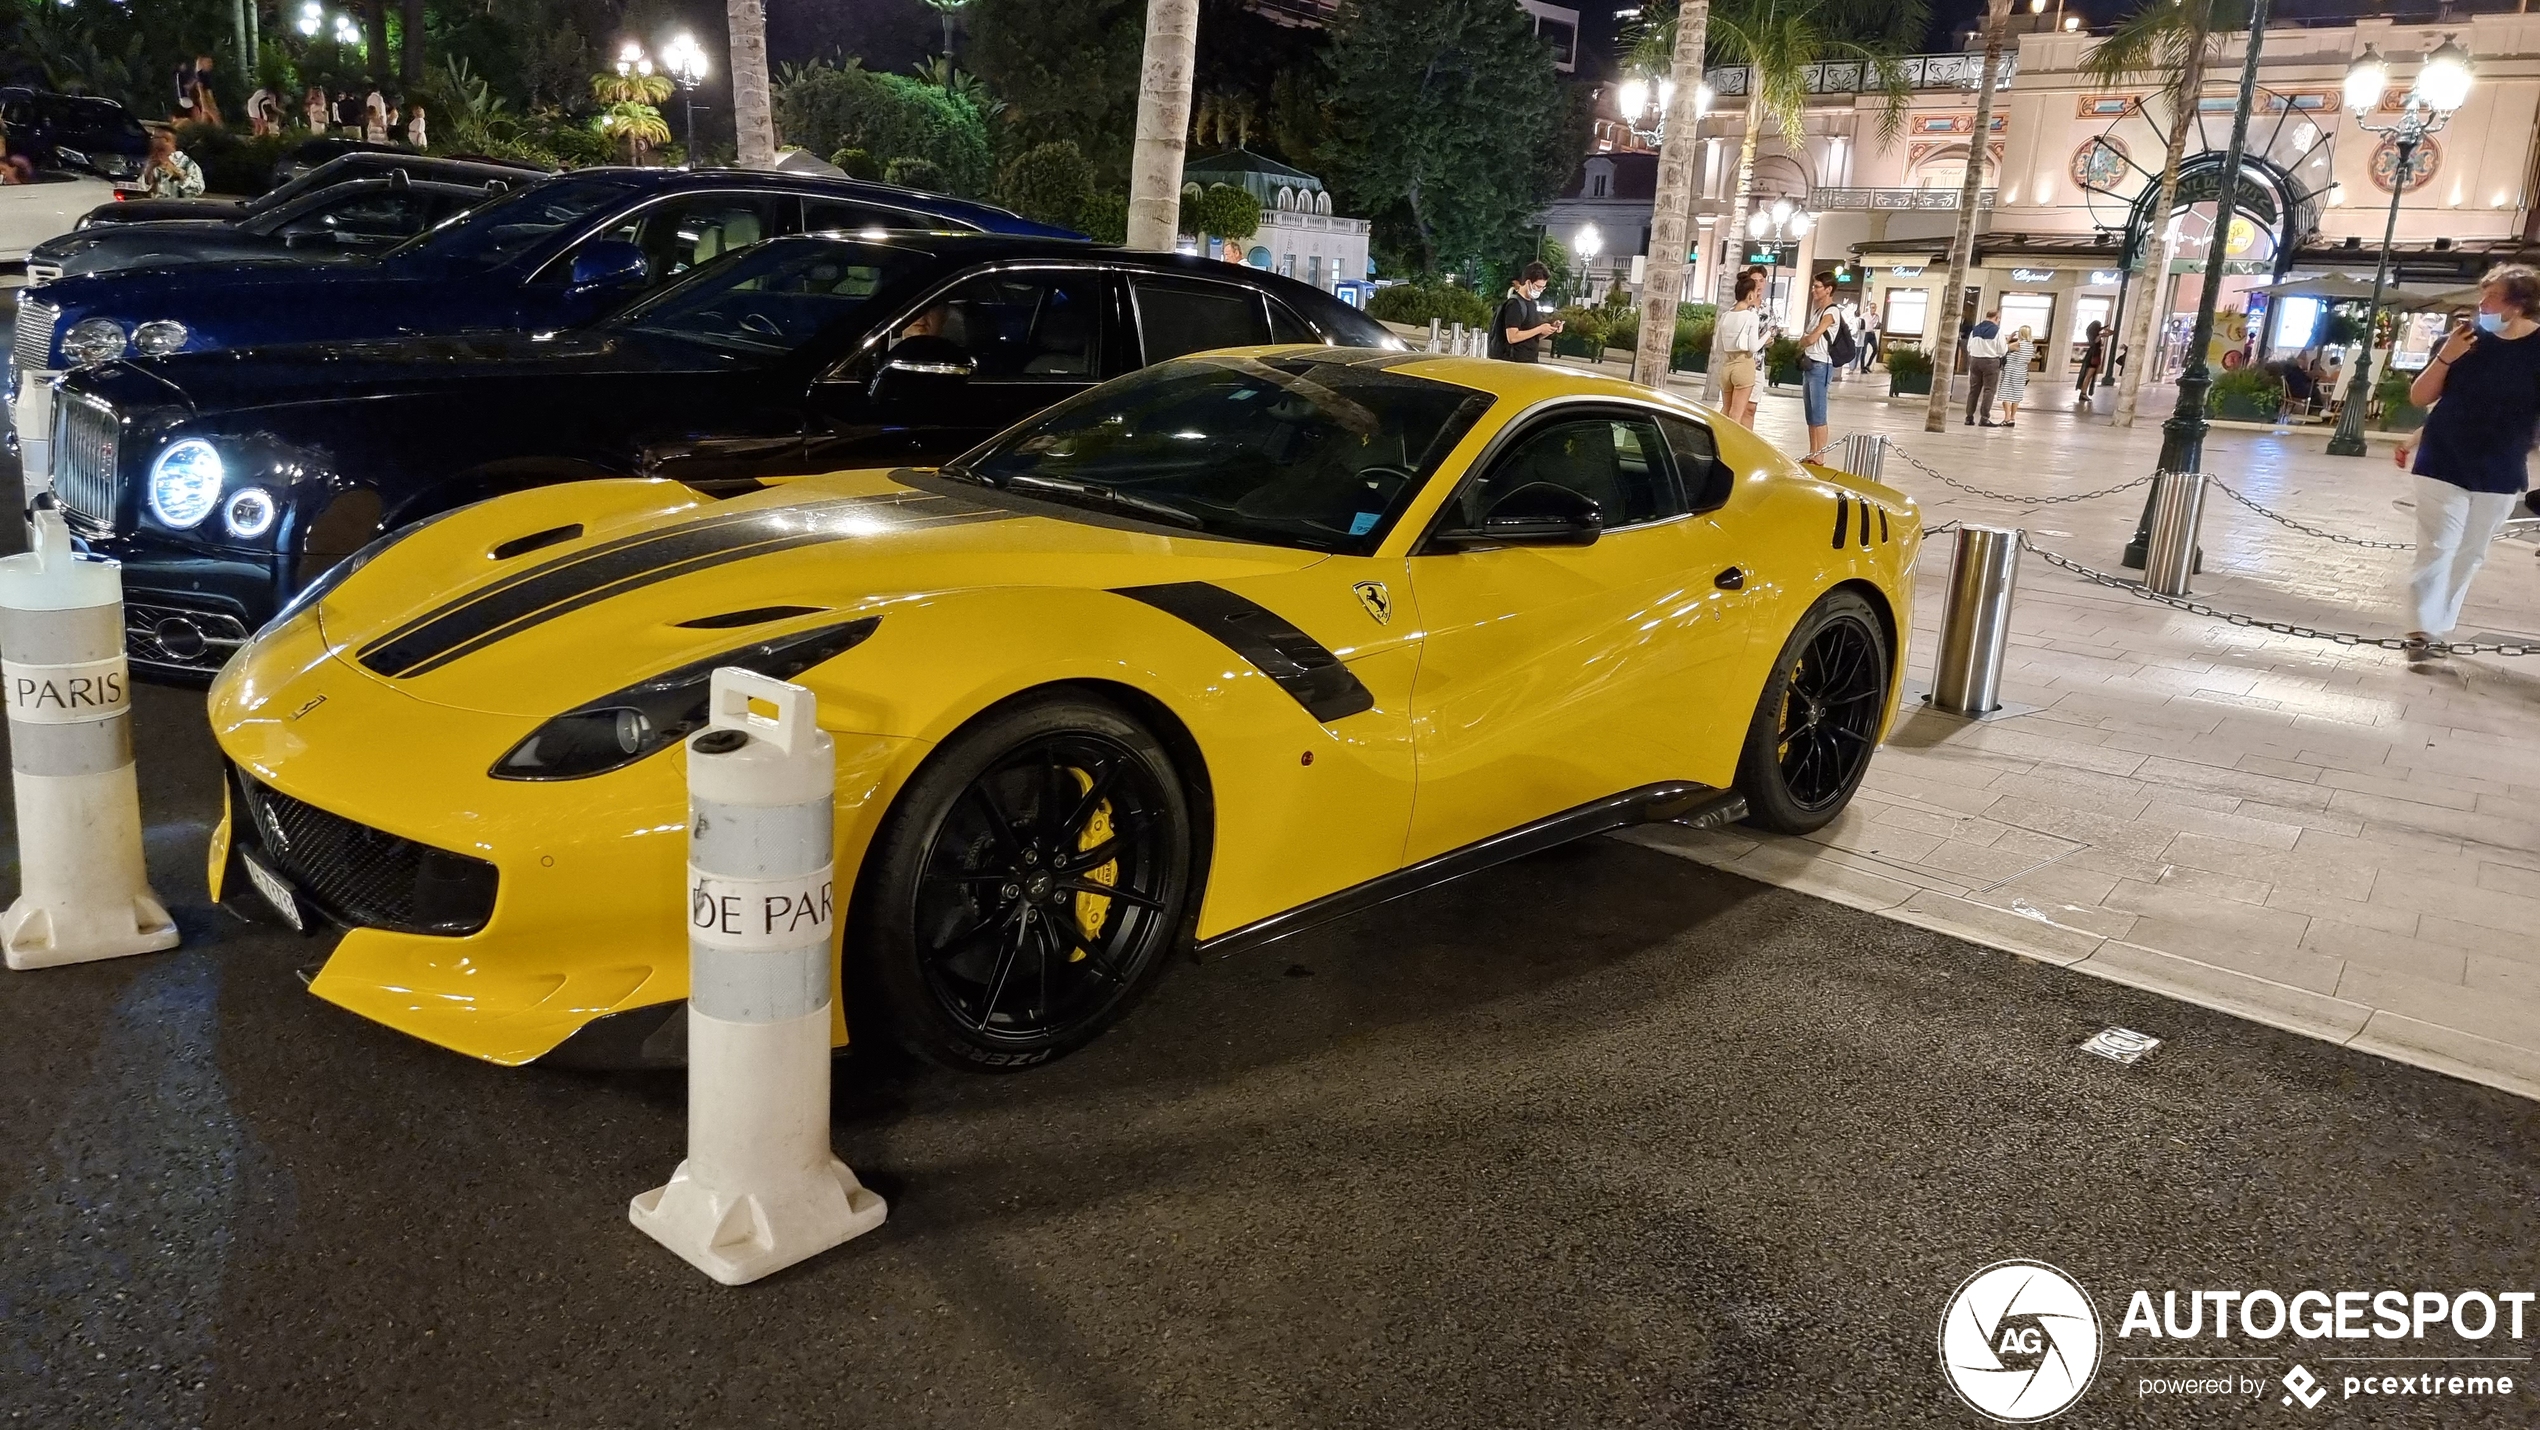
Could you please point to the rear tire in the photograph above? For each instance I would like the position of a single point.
(1818, 720)
(988, 940)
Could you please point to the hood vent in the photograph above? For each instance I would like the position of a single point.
(755, 616)
(535, 541)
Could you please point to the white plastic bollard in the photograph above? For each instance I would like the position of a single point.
(85, 895)
(760, 1189)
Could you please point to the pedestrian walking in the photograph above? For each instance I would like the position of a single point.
(2483, 392)
(313, 108)
(375, 117)
(1827, 346)
(1869, 337)
(2015, 376)
(1517, 334)
(168, 173)
(2094, 356)
(206, 108)
(1984, 367)
(1741, 332)
(415, 132)
(262, 108)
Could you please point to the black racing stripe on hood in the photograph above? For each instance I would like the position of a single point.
(1301, 665)
(614, 568)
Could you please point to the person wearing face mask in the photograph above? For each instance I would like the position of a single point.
(2483, 392)
(1518, 332)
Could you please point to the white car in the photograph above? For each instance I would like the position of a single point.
(29, 215)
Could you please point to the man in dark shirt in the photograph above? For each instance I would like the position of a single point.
(2473, 454)
(1518, 332)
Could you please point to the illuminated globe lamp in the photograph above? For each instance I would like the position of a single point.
(685, 62)
(2442, 87)
(1645, 106)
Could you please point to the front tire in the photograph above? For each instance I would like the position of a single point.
(1027, 888)
(1810, 741)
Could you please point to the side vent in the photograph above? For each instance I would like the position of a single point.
(1842, 522)
(1883, 524)
(755, 616)
(1865, 523)
(535, 541)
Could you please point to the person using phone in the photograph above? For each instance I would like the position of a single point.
(1518, 332)
(2471, 458)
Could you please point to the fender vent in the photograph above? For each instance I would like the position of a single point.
(755, 616)
(1842, 521)
(535, 541)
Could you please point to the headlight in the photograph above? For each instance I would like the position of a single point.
(159, 338)
(250, 513)
(616, 730)
(93, 340)
(185, 483)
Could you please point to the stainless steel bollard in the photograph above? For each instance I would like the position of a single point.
(1975, 627)
(2178, 508)
(1455, 340)
(1866, 454)
(760, 1189)
(1435, 345)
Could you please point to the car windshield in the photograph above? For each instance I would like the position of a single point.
(333, 171)
(772, 298)
(1293, 451)
(494, 233)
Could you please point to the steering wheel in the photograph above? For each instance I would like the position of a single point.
(761, 323)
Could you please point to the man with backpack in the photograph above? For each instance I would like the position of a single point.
(1828, 345)
(1518, 332)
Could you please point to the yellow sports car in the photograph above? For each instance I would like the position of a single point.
(1206, 655)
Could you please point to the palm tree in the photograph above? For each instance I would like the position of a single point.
(1164, 117)
(2166, 42)
(1671, 216)
(752, 115)
(1780, 41)
(1962, 247)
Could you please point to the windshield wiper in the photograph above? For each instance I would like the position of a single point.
(1107, 496)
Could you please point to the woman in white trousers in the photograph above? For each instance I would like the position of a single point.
(2483, 387)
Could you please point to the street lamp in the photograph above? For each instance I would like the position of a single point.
(312, 15)
(685, 62)
(1644, 107)
(1587, 243)
(2442, 86)
(633, 61)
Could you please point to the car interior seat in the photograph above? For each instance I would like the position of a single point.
(1060, 342)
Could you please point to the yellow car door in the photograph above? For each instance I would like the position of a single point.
(1552, 675)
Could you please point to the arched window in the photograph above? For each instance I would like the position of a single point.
(1323, 202)
(1287, 197)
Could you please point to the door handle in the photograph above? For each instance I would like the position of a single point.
(1732, 579)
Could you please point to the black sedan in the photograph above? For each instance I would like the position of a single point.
(77, 132)
(421, 168)
(227, 481)
(340, 220)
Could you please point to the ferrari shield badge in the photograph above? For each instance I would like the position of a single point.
(1372, 595)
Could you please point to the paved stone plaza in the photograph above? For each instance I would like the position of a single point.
(2324, 838)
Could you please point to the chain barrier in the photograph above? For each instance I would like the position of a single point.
(2283, 520)
(2282, 628)
(1928, 470)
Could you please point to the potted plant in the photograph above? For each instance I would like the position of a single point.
(1781, 361)
(2248, 394)
(1908, 371)
(2398, 414)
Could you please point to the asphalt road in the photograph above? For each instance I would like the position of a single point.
(1602, 1139)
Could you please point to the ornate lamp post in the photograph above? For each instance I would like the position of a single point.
(1644, 108)
(1781, 220)
(1587, 243)
(2442, 86)
(685, 63)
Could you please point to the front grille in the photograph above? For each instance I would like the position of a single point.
(179, 638)
(366, 877)
(32, 347)
(84, 433)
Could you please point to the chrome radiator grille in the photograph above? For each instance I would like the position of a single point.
(33, 342)
(84, 440)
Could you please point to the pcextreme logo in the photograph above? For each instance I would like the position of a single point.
(2019, 1342)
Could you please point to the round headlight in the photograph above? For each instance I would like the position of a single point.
(185, 483)
(93, 340)
(158, 339)
(249, 513)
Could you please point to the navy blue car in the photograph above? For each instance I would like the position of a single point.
(552, 256)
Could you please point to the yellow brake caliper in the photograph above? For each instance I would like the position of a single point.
(1092, 910)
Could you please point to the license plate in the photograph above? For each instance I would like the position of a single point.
(276, 891)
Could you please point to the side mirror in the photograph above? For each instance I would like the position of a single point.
(607, 263)
(1536, 514)
(922, 364)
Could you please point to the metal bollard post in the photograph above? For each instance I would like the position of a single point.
(1455, 341)
(1975, 627)
(2178, 508)
(1434, 344)
(760, 1189)
(85, 894)
(1868, 455)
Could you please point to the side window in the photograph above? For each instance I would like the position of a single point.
(1707, 480)
(681, 233)
(373, 215)
(838, 216)
(1287, 327)
(1020, 325)
(1177, 317)
(1615, 462)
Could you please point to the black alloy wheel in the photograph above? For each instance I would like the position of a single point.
(1027, 887)
(1818, 720)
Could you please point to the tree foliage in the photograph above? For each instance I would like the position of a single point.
(1220, 211)
(1067, 69)
(1449, 111)
(1781, 40)
(827, 107)
(1048, 183)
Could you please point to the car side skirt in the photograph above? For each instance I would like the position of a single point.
(1700, 806)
